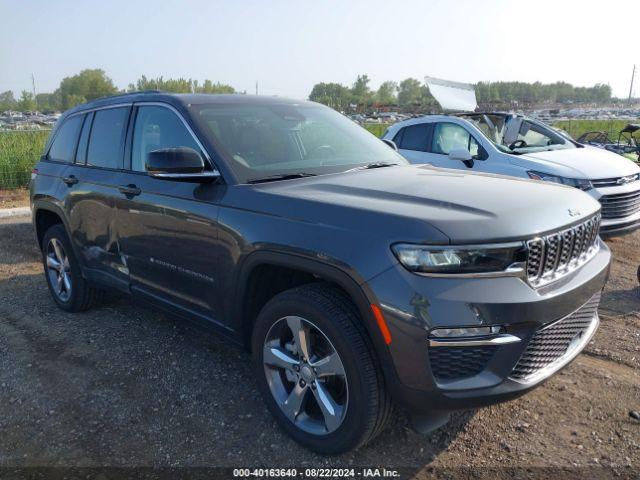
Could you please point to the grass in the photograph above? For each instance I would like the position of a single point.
(377, 129)
(19, 152)
(575, 128)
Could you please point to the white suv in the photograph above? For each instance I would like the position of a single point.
(514, 145)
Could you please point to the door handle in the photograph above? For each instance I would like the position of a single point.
(70, 180)
(130, 190)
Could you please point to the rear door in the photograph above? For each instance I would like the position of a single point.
(167, 229)
(93, 180)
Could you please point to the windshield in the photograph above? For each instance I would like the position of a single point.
(280, 139)
(516, 134)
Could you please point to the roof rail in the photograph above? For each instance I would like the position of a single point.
(124, 94)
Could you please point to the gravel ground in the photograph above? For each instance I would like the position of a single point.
(124, 385)
(18, 197)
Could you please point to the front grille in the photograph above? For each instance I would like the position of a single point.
(555, 255)
(614, 182)
(448, 363)
(620, 205)
(551, 343)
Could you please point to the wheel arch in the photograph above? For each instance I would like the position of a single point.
(321, 271)
(45, 215)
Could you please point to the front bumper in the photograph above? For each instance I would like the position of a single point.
(620, 208)
(475, 376)
(612, 227)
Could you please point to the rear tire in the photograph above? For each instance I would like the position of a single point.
(69, 289)
(354, 382)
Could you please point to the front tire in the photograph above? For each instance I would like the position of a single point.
(317, 371)
(69, 289)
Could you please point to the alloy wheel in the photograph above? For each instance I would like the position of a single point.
(306, 375)
(59, 270)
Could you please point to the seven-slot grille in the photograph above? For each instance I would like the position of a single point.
(557, 254)
(552, 342)
(620, 205)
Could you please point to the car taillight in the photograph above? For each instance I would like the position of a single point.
(34, 173)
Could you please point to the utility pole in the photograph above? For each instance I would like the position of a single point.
(33, 84)
(256, 87)
(633, 74)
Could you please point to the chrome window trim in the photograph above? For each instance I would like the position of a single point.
(212, 174)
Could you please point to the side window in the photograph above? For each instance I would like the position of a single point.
(449, 136)
(156, 128)
(64, 144)
(414, 137)
(105, 141)
(81, 152)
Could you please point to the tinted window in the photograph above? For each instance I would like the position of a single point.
(105, 143)
(65, 141)
(81, 153)
(449, 136)
(415, 137)
(281, 138)
(155, 128)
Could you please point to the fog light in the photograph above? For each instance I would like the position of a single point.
(466, 332)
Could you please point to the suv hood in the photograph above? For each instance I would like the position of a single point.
(588, 162)
(420, 203)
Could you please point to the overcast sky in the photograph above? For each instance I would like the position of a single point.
(289, 45)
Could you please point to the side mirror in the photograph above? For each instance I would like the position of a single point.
(461, 154)
(391, 143)
(181, 163)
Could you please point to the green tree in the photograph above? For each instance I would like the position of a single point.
(48, 102)
(209, 87)
(88, 85)
(333, 95)
(179, 85)
(540, 92)
(7, 101)
(27, 101)
(412, 92)
(360, 92)
(387, 93)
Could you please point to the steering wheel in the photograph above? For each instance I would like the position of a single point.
(518, 144)
(322, 151)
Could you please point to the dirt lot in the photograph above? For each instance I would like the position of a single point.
(123, 385)
(18, 197)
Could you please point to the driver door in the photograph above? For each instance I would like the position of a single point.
(168, 229)
(448, 136)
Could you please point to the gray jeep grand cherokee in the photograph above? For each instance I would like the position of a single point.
(357, 281)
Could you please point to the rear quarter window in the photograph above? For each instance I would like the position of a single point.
(106, 139)
(64, 143)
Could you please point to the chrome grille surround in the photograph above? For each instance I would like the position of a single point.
(555, 255)
(555, 344)
(616, 181)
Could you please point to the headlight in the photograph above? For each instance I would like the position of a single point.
(581, 183)
(460, 259)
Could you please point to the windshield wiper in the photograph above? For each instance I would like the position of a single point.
(283, 176)
(373, 165)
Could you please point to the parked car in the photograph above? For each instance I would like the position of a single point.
(519, 146)
(356, 280)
